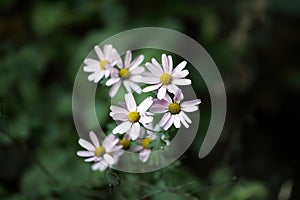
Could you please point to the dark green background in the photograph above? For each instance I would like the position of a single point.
(255, 44)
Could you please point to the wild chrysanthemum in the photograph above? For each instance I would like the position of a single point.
(104, 154)
(174, 110)
(164, 78)
(127, 74)
(132, 116)
(102, 67)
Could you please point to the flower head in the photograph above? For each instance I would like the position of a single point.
(144, 147)
(164, 78)
(104, 154)
(132, 116)
(103, 66)
(127, 74)
(174, 110)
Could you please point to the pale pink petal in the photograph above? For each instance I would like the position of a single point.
(146, 119)
(159, 108)
(114, 89)
(94, 139)
(119, 116)
(165, 63)
(170, 62)
(151, 88)
(135, 87)
(178, 96)
(117, 109)
(130, 102)
(127, 86)
(99, 77)
(181, 81)
(144, 155)
(154, 69)
(162, 92)
(191, 103)
(93, 76)
(90, 159)
(169, 123)
(136, 78)
(136, 62)
(180, 66)
(85, 144)
(165, 119)
(137, 148)
(145, 104)
(99, 166)
(107, 51)
(122, 128)
(137, 70)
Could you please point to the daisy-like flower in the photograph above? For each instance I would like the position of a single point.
(102, 67)
(164, 78)
(128, 74)
(143, 148)
(174, 110)
(132, 116)
(104, 154)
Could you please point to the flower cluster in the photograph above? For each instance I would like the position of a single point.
(148, 125)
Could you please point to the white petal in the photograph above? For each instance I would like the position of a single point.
(151, 88)
(136, 62)
(109, 159)
(93, 76)
(182, 81)
(99, 52)
(191, 103)
(92, 62)
(85, 144)
(89, 68)
(164, 119)
(99, 77)
(178, 96)
(177, 121)
(165, 63)
(114, 89)
(180, 66)
(181, 74)
(112, 81)
(107, 51)
(90, 159)
(94, 139)
(85, 153)
(186, 117)
(144, 155)
(151, 80)
(122, 128)
(172, 88)
(158, 108)
(135, 87)
(145, 104)
(146, 119)
(130, 102)
(183, 121)
(119, 116)
(155, 69)
(157, 65)
(136, 78)
(127, 59)
(189, 108)
(127, 86)
(98, 166)
(170, 61)
(137, 70)
(162, 92)
(134, 132)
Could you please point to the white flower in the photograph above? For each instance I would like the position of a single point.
(128, 74)
(174, 110)
(143, 147)
(102, 67)
(164, 78)
(105, 154)
(131, 116)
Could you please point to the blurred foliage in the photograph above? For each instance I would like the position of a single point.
(255, 45)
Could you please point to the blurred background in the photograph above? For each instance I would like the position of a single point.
(255, 44)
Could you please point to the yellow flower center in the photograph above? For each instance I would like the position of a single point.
(133, 116)
(146, 142)
(103, 64)
(125, 143)
(165, 79)
(124, 73)
(174, 108)
(99, 151)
